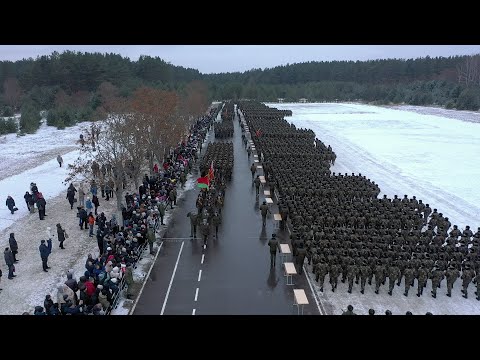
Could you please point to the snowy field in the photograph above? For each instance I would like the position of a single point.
(434, 158)
(418, 151)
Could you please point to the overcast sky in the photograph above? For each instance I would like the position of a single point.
(230, 58)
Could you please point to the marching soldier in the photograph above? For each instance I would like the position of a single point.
(452, 275)
(273, 243)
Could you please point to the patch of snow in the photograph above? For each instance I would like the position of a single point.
(430, 156)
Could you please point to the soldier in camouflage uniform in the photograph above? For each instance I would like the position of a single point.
(216, 221)
(409, 278)
(321, 270)
(193, 224)
(422, 276)
(264, 210)
(467, 276)
(379, 275)
(253, 169)
(393, 275)
(437, 277)
(365, 272)
(452, 275)
(273, 244)
(334, 272)
(477, 282)
(257, 183)
(352, 271)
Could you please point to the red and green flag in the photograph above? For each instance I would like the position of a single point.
(203, 182)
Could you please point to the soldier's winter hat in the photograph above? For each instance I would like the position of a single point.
(274, 235)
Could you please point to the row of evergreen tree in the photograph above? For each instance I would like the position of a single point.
(67, 85)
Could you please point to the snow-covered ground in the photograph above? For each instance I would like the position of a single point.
(435, 157)
(33, 158)
(21, 153)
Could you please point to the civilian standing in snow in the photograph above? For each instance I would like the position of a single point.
(28, 200)
(61, 235)
(13, 246)
(44, 252)
(10, 203)
(88, 205)
(60, 160)
(81, 196)
(96, 203)
(8, 255)
(82, 215)
(91, 223)
(41, 204)
(71, 196)
(1, 278)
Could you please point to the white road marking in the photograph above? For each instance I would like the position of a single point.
(171, 280)
(199, 274)
(320, 309)
(193, 312)
(203, 258)
(196, 294)
(145, 281)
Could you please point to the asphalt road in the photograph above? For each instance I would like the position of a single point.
(232, 276)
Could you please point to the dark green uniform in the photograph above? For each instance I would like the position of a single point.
(273, 243)
(422, 276)
(321, 270)
(365, 272)
(264, 210)
(452, 275)
(216, 221)
(352, 271)
(467, 276)
(409, 274)
(193, 223)
(301, 253)
(436, 276)
(393, 275)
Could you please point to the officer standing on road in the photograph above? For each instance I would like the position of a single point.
(193, 224)
(257, 183)
(253, 169)
(273, 243)
(264, 210)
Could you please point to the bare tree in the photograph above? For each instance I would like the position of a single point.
(109, 149)
(468, 73)
(12, 92)
(156, 111)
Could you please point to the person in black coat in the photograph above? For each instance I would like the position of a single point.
(61, 235)
(28, 200)
(13, 246)
(82, 215)
(41, 204)
(44, 252)
(47, 303)
(71, 196)
(39, 311)
(10, 203)
(8, 255)
(96, 203)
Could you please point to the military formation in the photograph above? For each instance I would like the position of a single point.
(224, 128)
(345, 231)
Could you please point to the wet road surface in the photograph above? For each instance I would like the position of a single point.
(232, 276)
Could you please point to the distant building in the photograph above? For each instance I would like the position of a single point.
(280, 100)
(302, 100)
